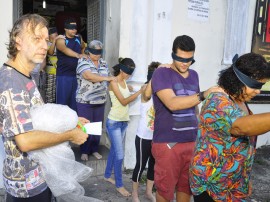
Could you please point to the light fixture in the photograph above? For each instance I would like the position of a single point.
(44, 4)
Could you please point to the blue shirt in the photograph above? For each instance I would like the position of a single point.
(66, 65)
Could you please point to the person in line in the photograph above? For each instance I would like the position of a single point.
(51, 64)
(93, 76)
(117, 121)
(69, 50)
(23, 177)
(143, 140)
(224, 151)
(176, 94)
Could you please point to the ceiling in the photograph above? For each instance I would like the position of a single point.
(70, 5)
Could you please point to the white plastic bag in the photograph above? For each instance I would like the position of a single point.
(62, 173)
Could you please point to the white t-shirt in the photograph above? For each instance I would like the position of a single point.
(144, 131)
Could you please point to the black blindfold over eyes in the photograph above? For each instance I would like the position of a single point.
(126, 69)
(95, 51)
(252, 83)
(184, 60)
(70, 26)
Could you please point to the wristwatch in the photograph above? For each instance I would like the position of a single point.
(200, 96)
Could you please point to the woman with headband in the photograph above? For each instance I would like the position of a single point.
(226, 141)
(93, 76)
(117, 121)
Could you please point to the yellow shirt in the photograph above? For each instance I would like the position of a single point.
(119, 112)
(51, 62)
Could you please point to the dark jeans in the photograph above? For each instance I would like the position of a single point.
(94, 113)
(203, 197)
(45, 196)
(66, 87)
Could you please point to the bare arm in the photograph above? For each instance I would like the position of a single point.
(88, 75)
(52, 47)
(173, 102)
(82, 45)
(147, 92)
(124, 101)
(251, 125)
(61, 46)
(41, 139)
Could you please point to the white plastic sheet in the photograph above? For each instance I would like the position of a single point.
(62, 172)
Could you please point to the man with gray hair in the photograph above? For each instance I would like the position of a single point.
(93, 76)
(23, 177)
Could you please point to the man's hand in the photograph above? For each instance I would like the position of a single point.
(79, 56)
(78, 136)
(167, 65)
(83, 120)
(60, 37)
(111, 78)
(213, 89)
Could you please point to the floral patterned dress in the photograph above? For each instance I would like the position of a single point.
(222, 162)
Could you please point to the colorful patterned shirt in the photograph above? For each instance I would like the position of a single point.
(22, 176)
(222, 162)
(89, 92)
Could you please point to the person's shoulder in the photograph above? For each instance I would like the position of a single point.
(220, 97)
(192, 71)
(163, 70)
(83, 62)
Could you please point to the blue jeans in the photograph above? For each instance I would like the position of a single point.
(116, 131)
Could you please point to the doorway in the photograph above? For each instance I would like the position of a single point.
(89, 14)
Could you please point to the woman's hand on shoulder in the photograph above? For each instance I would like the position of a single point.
(165, 65)
(111, 78)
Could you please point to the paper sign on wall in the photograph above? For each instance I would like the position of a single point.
(198, 10)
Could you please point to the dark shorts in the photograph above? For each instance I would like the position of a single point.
(172, 168)
(203, 197)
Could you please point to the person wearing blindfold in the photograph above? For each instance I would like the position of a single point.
(176, 94)
(143, 140)
(226, 141)
(69, 50)
(117, 121)
(93, 76)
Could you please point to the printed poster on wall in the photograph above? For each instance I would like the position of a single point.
(198, 10)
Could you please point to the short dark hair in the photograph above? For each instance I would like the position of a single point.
(151, 68)
(69, 20)
(125, 61)
(28, 21)
(252, 65)
(184, 43)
